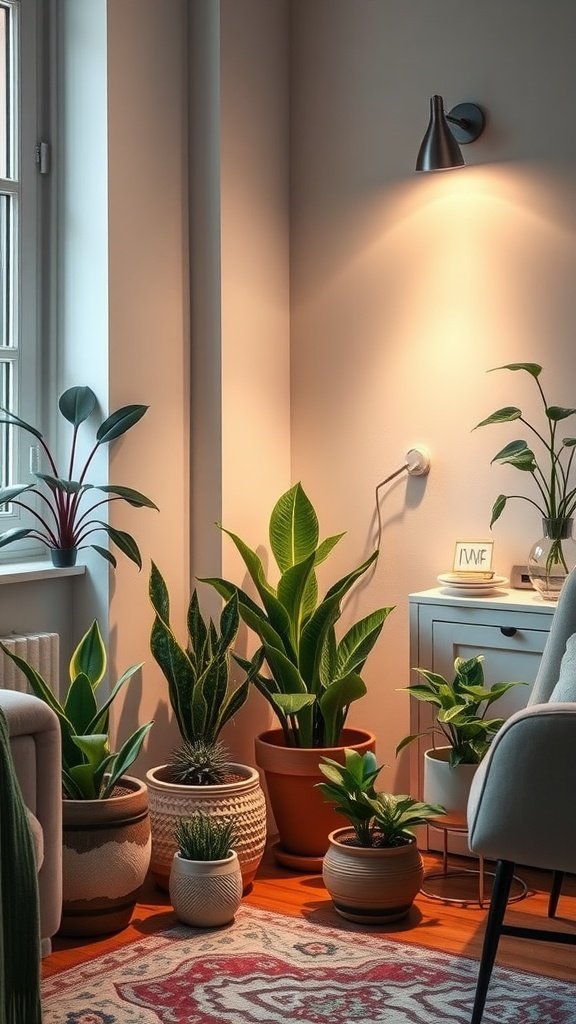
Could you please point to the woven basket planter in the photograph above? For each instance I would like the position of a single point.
(242, 800)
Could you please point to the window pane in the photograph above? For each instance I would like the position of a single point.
(5, 170)
(6, 267)
(5, 438)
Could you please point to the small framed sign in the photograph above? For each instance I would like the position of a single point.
(473, 556)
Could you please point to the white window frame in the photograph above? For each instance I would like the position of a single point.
(31, 190)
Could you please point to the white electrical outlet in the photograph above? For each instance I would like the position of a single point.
(418, 461)
(520, 578)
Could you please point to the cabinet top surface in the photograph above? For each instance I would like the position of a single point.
(527, 600)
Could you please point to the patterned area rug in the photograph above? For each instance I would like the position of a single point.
(270, 969)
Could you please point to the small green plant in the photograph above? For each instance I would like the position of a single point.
(313, 677)
(550, 470)
(202, 837)
(461, 709)
(90, 770)
(200, 763)
(64, 522)
(198, 675)
(378, 819)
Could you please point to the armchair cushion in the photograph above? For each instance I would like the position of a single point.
(565, 689)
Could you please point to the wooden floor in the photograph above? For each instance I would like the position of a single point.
(431, 923)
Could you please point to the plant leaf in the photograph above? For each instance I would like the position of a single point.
(124, 541)
(498, 508)
(293, 529)
(56, 483)
(125, 757)
(105, 554)
(334, 700)
(9, 536)
(80, 706)
(505, 415)
(532, 368)
(89, 657)
(8, 493)
(134, 498)
(119, 422)
(357, 643)
(15, 421)
(77, 404)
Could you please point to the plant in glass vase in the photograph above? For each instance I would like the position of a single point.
(552, 557)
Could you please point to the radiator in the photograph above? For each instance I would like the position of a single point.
(40, 650)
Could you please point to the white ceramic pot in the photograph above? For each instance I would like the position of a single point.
(445, 785)
(243, 800)
(205, 893)
(371, 886)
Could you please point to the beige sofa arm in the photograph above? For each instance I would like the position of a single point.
(36, 749)
(520, 805)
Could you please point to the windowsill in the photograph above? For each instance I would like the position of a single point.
(22, 572)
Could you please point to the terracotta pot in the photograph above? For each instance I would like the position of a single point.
(304, 819)
(242, 800)
(205, 893)
(106, 853)
(445, 785)
(371, 886)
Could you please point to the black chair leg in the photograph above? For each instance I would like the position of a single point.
(500, 893)
(557, 879)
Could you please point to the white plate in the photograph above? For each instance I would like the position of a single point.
(467, 589)
(453, 580)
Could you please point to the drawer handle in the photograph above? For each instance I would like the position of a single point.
(508, 630)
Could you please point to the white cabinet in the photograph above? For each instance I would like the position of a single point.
(509, 630)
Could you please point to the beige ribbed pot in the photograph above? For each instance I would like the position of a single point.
(106, 853)
(205, 893)
(242, 800)
(371, 885)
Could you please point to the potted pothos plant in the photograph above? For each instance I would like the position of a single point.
(461, 709)
(308, 674)
(373, 868)
(106, 831)
(205, 878)
(547, 457)
(64, 504)
(199, 774)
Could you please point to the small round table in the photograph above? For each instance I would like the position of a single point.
(456, 823)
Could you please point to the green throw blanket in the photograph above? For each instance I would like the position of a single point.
(19, 914)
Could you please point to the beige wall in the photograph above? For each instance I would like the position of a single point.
(148, 331)
(406, 288)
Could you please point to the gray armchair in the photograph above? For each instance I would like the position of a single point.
(528, 777)
(35, 746)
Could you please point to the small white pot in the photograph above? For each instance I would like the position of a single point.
(205, 893)
(445, 785)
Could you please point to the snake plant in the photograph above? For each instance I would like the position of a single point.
(313, 677)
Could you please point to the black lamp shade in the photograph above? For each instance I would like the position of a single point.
(439, 149)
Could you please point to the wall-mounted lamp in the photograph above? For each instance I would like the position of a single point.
(440, 149)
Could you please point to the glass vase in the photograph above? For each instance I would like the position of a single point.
(552, 557)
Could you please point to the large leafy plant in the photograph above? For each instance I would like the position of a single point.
(198, 678)
(313, 677)
(550, 469)
(461, 708)
(378, 819)
(65, 518)
(90, 770)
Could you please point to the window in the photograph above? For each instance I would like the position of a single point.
(20, 239)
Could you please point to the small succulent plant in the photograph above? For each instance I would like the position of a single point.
(199, 763)
(202, 837)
